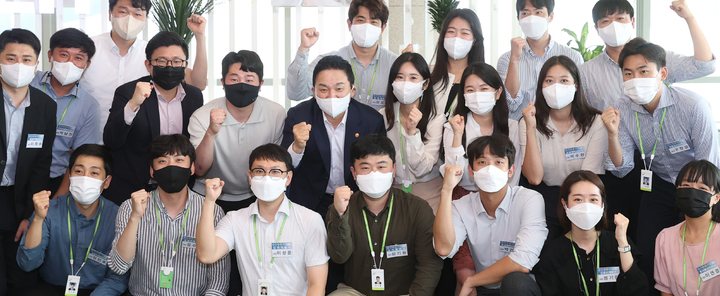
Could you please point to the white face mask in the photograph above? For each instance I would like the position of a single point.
(457, 48)
(17, 75)
(127, 27)
(375, 184)
(616, 33)
(85, 190)
(480, 103)
(365, 35)
(559, 95)
(408, 92)
(66, 73)
(490, 179)
(334, 106)
(585, 215)
(641, 90)
(534, 26)
(267, 189)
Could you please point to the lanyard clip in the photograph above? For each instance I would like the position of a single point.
(372, 253)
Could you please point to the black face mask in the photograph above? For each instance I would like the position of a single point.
(169, 77)
(241, 95)
(693, 202)
(172, 179)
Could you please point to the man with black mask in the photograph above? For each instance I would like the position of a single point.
(226, 130)
(142, 110)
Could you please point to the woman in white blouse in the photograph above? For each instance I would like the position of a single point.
(415, 128)
(561, 133)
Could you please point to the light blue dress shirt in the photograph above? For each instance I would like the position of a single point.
(14, 120)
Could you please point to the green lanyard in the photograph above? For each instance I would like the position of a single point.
(582, 277)
(452, 105)
(707, 238)
(162, 243)
(66, 107)
(642, 149)
(97, 222)
(257, 245)
(352, 63)
(367, 228)
(402, 155)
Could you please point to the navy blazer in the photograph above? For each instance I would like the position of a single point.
(311, 176)
(129, 144)
(32, 172)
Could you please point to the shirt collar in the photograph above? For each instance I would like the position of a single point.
(179, 95)
(666, 100)
(354, 57)
(8, 100)
(114, 46)
(342, 122)
(504, 204)
(161, 206)
(549, 47)
(608, 59)
(284, 208)
(45, 82)
(75, 212)
(362, 204)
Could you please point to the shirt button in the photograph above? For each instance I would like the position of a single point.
(375, 220)
(376, 244)
(591, 279)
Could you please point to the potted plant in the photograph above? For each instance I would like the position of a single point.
(439, 9)
(586, 52)
(172, 15)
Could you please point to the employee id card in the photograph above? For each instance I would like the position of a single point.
(399, 250)
(608, 274)
(188, 242)
(97, 257)
(574, 153)
(264, 287)
(64, 130)
(507, 246)
(72, 286)
(282, 250)
(377, 277)
(35, 141)
(708, 271)
(166, 277)
(677, 146)
(646, 180)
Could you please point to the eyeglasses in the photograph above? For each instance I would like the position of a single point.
(176, 63)
(275, 174)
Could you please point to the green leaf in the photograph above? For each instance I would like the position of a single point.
(438, 10)
(172, 15)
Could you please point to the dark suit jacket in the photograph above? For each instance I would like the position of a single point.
(311, 176)
(129, 144)
(33, 164)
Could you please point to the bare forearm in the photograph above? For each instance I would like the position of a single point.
(127, 242)
(495, 273)
(443, 230)
(615, 150)
(199, 71)
(626, 259)
(532, 166)
(33, 238)
(206, 246)
(204, 154)
(700, 43)
(512, 82)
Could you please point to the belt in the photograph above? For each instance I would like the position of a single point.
(7, 188)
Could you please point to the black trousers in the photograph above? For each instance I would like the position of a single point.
(45, 289)
(235, 281)
(551, 195)
(13, 280)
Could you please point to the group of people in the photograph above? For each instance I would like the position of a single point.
(119, 180)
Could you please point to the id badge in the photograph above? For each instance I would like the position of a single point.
(646, 180)
(399, 250)
(407, 186)
(72, 286)
(97, 257)
(377, 100)
(677, 146)
(608, 274)
(574, 153)
(64, 130)
(166, 277)
(188, 242)
(506, 246)
(377, 277)
(35, 141)
(264, 287)
(282, 250)
(708, 271)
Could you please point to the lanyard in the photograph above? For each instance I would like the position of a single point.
(66, 107)
(642, 149)
(402, 154)
(707, 238)
(582, 277)
(162, 244)
(452, 105)
(352, 63)
(97, 222)
(257, 245)
(367, 228)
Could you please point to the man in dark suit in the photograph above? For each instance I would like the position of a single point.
(27, 133)
(319, 132)
(159, 104)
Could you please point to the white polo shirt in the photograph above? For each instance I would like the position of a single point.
(304, 229)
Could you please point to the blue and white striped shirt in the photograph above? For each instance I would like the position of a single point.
(689, 118)
(529, 70)
(190, 277)
(603, 82)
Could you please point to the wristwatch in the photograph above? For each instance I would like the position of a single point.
(624, 249)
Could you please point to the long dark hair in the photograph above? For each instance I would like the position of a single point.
(582, 112)
(477, 53)
(427, 101)
(705, 172)
(491, 77)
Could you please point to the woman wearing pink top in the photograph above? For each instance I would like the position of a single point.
(687, 254)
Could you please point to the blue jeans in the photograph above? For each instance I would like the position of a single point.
(515, 284)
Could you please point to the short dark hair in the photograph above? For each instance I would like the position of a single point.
(549, 4)
(73, 38)
(170, 145)
(500, 145)
(142, 4)
(165, 38)
(333, 62)
(650, 51)
(377, 8)
(572, 179)
(604, 8)
(372, 144)
(94, 150)
(273, 152)
(698, 170)
(249, 59)
(20, 36)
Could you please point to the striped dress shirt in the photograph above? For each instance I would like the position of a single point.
(689, 118)
(190, 277)
(603, 82)
(529, 70)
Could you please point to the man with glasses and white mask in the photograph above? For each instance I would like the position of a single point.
(367, 19)
(280, 245)
(78, 115)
